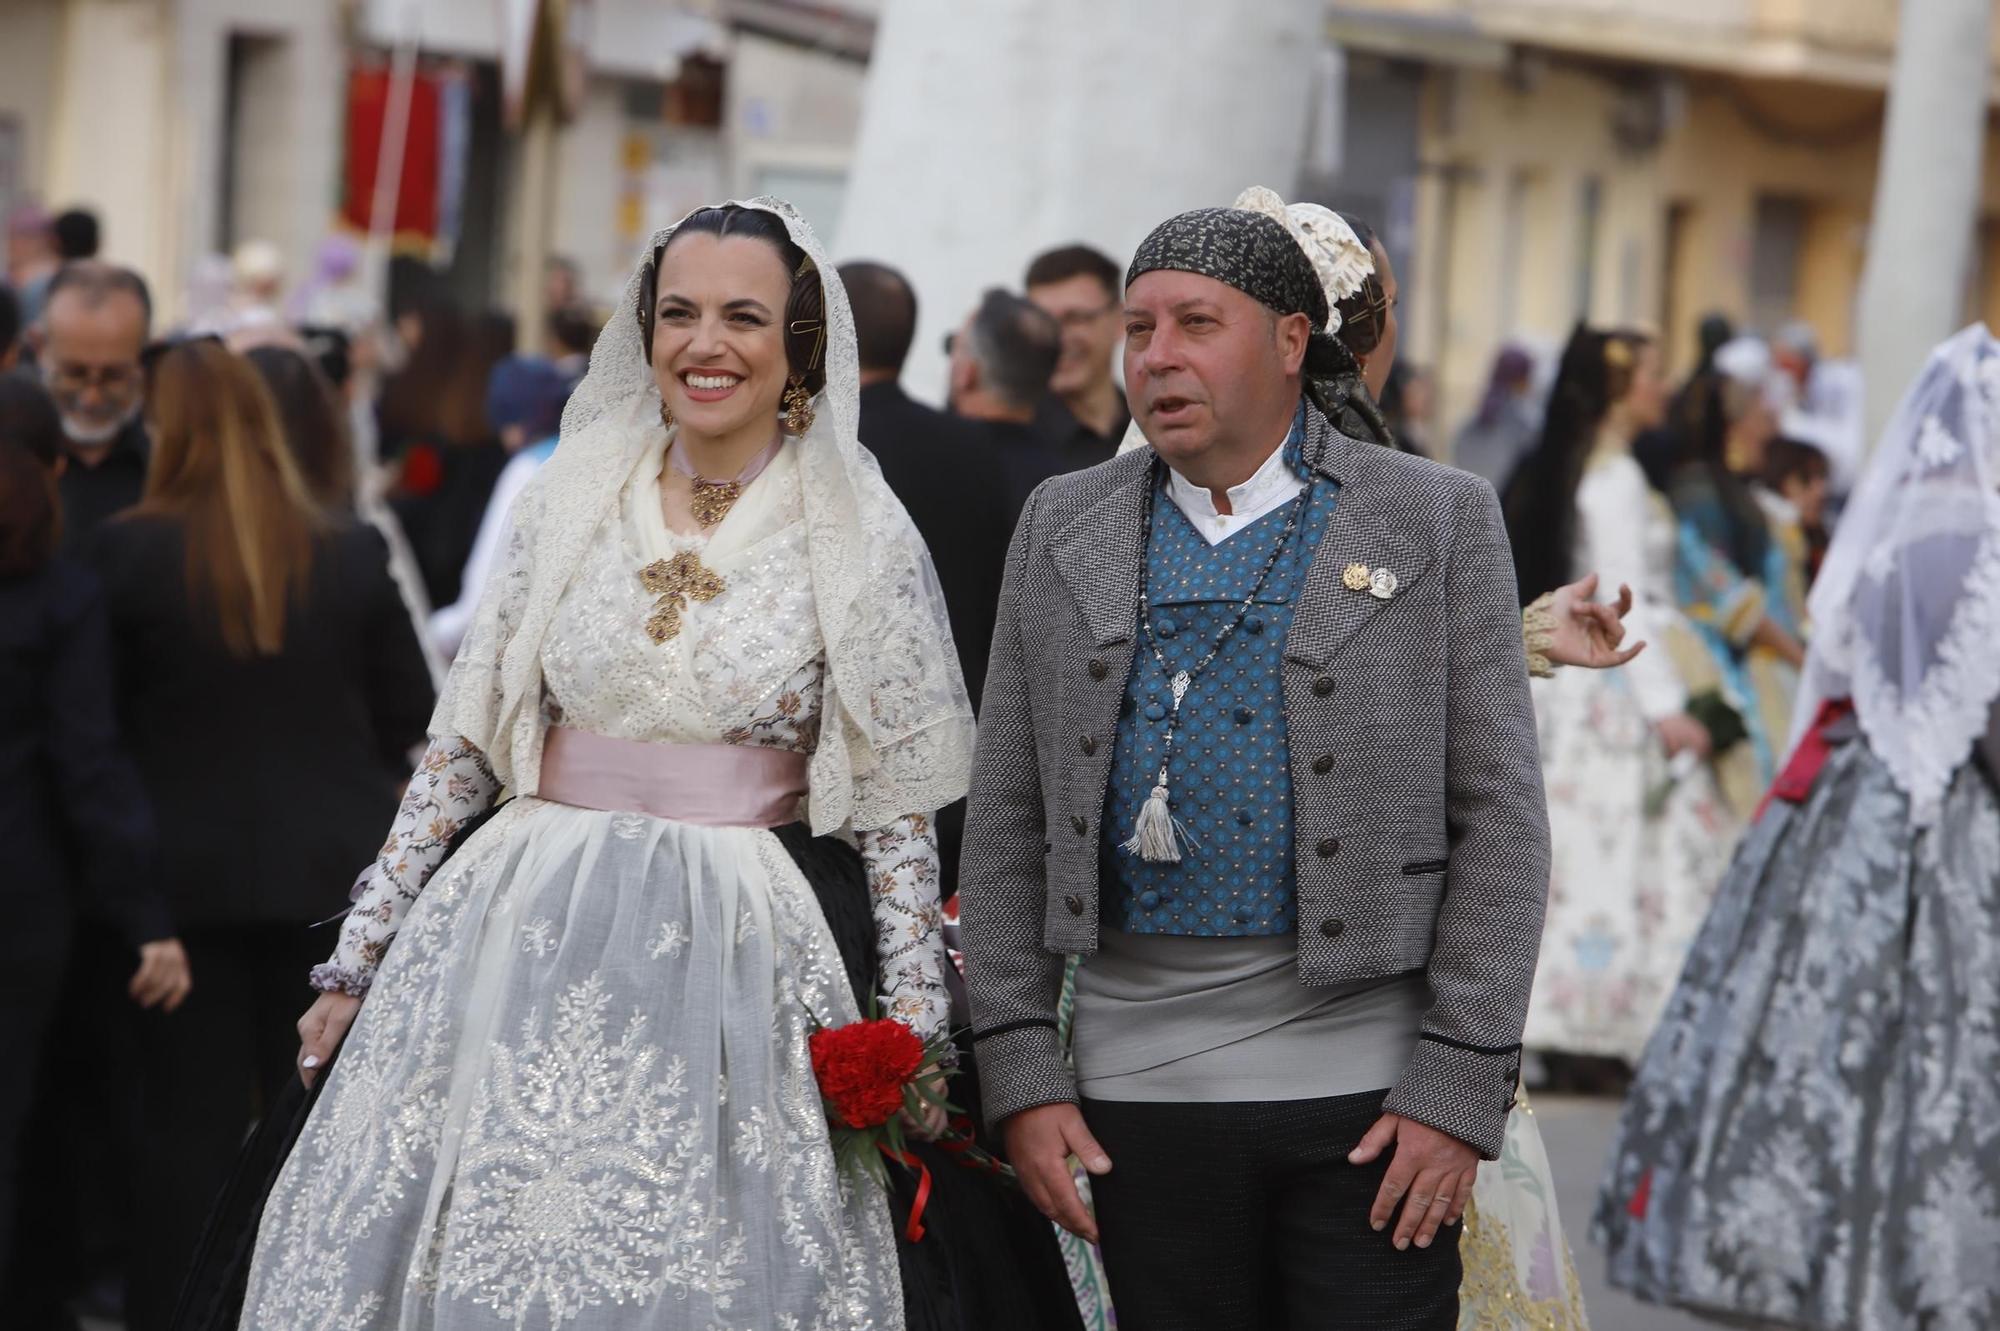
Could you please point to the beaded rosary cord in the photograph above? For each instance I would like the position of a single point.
(1156, 833)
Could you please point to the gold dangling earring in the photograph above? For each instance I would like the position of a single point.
(666, 414)
(799, 413)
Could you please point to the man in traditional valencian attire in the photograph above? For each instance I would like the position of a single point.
(1257, 748)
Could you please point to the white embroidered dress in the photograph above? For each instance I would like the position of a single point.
(579, 1094)
(1636, 859)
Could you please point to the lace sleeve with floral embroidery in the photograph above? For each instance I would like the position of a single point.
(453, 783)
(902, 861)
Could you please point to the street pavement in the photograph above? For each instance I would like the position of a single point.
(1576, 1131)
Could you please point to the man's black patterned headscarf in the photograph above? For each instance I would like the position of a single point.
(1258, 256)
(1248, 251)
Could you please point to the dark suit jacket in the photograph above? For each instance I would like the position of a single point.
(272, 778)
(1079, 445)
(74, 819)
(962, 496)
(93, 495)
(1421, 837)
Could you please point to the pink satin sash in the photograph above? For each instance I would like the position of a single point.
(711, 785)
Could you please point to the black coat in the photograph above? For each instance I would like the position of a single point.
(93, 495)
(962, 497)
(74, 818)
(273, 778)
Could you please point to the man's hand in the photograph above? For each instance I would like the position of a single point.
(163, 979)
(1040, 1142)
(1587, 633)
(1430, 1175)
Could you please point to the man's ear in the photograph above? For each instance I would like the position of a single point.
(33, 338)
(1293, 333)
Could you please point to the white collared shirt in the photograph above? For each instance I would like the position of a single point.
(1273, 486)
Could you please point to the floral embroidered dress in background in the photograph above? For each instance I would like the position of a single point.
(579, 1093)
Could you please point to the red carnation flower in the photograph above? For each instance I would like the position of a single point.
(863, 1067)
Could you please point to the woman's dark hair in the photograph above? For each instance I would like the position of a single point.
(30, 517)
(315, 424)
(440, 395)
(1364, 316)
(28, 417)
(1745, 537)
(1540, 497)
(805, 309)
(1793, 459)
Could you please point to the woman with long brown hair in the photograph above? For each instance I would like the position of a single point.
(271, 686)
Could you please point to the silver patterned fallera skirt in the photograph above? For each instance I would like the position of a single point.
(579, 1096)
(1814, 1135)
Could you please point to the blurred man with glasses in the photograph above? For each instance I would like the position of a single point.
(90, 348)
(1085, 413)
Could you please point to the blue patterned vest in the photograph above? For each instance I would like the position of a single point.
(1230, 773)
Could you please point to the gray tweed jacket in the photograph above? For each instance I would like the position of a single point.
(1422, 841)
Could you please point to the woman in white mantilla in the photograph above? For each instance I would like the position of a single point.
(578, 1093)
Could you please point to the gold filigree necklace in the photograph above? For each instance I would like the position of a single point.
(709, 501)
(681, 581)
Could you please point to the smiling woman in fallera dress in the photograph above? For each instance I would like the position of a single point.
(578, 1092)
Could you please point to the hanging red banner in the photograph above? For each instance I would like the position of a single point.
(417, 198)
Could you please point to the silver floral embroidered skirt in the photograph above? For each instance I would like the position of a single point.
(579, 1096)
(1814, 1135)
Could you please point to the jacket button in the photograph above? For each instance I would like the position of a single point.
(1088, 744)
(1079, 824)
(1323, 686)
(1332, 928)
(1329, 848)
(1098, 670)
(1075, 904)
(1323, 764)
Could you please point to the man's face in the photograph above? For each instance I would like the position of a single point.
(1089, 318)
(90, 362)
(1202, 358)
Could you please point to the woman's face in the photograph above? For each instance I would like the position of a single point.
(1645, 400)
(1375, 366)
(719, 333)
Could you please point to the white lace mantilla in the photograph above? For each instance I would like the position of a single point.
(1907, 607)
(899, 727)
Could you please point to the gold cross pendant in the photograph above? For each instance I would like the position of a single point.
(678, 581)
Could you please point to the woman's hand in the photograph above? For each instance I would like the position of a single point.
(1587, 633)
(931, 1123)
(1681, 732)
(163, 979)
(322, 1029)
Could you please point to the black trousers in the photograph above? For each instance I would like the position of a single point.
(206, 1071)
(1246, 1215)
(31, 979)
(74, 1190)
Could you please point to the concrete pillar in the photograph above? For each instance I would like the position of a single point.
(1926, 191)
(996, 130)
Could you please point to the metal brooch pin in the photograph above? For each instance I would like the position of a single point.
(1355, 578)
(1382, 584)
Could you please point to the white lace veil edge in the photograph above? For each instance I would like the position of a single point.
(1906, 610)
(896, 735)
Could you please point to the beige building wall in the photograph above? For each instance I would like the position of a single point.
(30, 37)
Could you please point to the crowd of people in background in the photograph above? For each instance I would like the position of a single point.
(299, 495)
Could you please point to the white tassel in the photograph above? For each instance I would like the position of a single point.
(1155, 835)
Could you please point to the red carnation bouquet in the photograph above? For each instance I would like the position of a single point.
(869, 1072)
